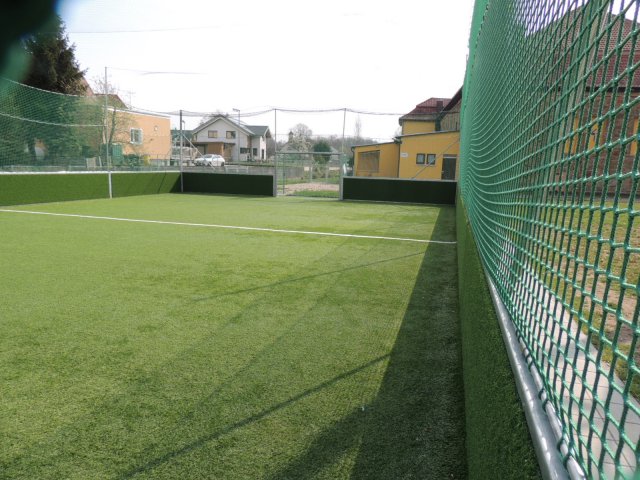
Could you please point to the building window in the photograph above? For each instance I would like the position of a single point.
(244, 150)
(212, 133)
(369, 162)
(136, 136)
(231, 134)
(255, 152)
(426, 159)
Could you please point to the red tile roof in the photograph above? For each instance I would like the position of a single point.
(603, 71)
(430, 106)
(428, 110)
(607, 62)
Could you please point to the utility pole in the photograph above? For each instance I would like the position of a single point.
(181, 146)
(275, 152)
(106, 131)
(238, 133)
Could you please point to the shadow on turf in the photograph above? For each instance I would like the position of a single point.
(415, 426)
(247, 421)
(301, 278)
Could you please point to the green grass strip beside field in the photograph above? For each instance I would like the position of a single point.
(498, 441)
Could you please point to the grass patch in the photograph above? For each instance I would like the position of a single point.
(603, 339)
(595, 267)
(498, 442)
(169, 351)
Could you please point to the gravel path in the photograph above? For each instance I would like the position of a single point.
(296, 187)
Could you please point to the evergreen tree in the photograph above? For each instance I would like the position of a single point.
(321, 146)
(53, 67)
(320, 160)
(53, 63)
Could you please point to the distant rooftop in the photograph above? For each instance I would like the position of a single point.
(432, 105)
(427, 110)
(259, 130)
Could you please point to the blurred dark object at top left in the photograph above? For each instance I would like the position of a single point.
(18, 19)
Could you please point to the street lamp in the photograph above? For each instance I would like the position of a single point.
(238, 133)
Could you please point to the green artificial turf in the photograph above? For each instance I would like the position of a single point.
(498, 440)
(147, 350)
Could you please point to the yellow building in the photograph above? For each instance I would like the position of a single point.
(377, 160)
(145, 135)
(429, 156)
(427, 148)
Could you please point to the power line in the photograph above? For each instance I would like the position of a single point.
(283, 110)
(333, 110)
(156, 72)
(144, 30)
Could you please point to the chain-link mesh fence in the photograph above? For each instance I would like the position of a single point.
(550, 180)
(310, 173)
(306, 150)
(46, 130)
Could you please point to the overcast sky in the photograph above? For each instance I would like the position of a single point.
(208, 56)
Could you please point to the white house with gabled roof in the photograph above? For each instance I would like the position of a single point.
(234, 141)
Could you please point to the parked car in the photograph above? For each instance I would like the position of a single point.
(209, 160)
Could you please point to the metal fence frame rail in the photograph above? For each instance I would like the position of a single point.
(546, 432)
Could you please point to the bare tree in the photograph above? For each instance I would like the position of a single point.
(357, 128)
(118, 121)
(209, 116)
(300, 137)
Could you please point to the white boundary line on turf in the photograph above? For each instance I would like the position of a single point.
(231, 227)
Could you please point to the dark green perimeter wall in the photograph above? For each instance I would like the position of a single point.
(19, 189)
(228, 183)
(498, 440)
(35, 188)
(399, 190)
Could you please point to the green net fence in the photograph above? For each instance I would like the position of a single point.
(550, 179)
(47, 130)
